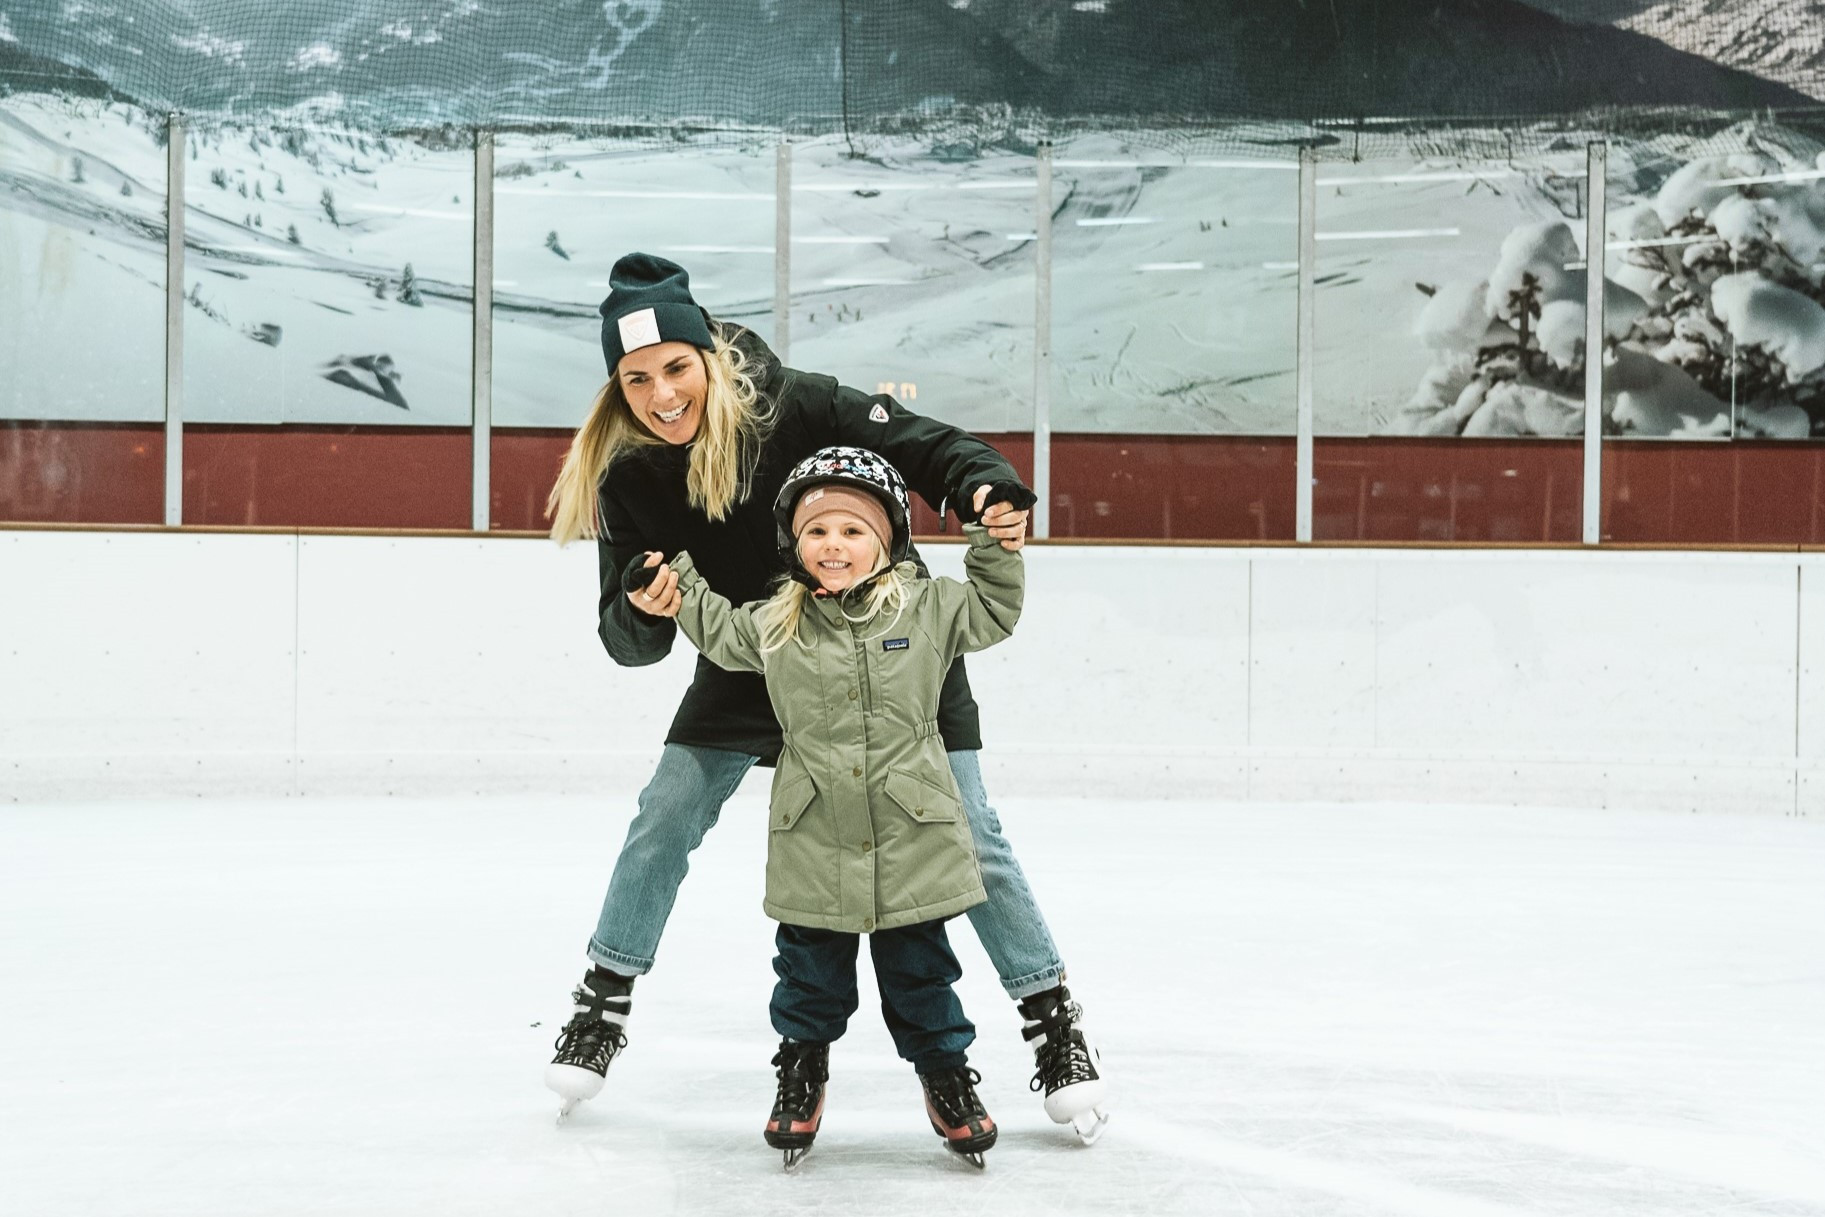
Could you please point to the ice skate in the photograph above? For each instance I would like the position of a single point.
(1070, 1068)
(798, 1109)
(590, 1040)
(957, 1114)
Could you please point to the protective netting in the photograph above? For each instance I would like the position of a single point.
(1263, 73)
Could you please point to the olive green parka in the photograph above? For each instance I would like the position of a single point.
(867, 829)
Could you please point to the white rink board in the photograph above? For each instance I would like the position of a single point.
(159, 661)
(1811, 708)
(153, 662)
(441, 662)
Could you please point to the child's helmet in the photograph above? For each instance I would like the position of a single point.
(855, 467)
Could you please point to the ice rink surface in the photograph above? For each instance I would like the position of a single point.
(321, 1007)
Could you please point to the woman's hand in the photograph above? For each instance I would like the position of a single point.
(1003, 520)
(652, 591)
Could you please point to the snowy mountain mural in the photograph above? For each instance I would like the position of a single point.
(327, 273)
(1780, 40)
(1714, 313)
(418, 62)
(327, 277)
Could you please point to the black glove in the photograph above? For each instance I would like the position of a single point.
(639, 576)
(1009, 492)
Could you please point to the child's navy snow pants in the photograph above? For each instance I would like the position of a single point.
(914, 968)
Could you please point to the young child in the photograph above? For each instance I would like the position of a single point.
(867, 831)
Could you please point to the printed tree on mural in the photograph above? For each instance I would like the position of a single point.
(1714, 317)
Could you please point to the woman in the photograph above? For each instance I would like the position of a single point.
(685, 448)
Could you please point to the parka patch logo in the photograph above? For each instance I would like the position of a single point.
(896, 644)
(879, 413)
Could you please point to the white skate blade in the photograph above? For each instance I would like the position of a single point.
(792, 1157)
(1089, 1125)
(573, 1082)
(564, 1110)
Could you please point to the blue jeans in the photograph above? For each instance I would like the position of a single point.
(682, 803)
(914, 969)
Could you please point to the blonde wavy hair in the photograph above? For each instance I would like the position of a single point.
(779, 617)
(735, 419)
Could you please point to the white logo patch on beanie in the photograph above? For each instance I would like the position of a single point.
(639, 328)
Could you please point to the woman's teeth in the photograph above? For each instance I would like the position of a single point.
(674, 416)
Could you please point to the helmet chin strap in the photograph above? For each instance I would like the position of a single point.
(803, 575)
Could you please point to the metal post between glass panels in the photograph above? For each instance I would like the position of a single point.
(1596, 203)
(1306, 355)
(174, 319)
(1042, 343)
(782, 251)
(481, 380)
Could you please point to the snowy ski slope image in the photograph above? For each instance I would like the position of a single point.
(1713, 313)
(82, 261)
(328, 276)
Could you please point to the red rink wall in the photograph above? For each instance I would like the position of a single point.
(1142, 487)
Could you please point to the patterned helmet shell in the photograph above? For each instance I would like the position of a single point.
(857, 467)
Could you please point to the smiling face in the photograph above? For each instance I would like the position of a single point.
(665, 385)
(839, 550)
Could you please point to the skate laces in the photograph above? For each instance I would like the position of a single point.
(953, 1094)
(589, 1042)
(802, 1068)
(1063, 1057)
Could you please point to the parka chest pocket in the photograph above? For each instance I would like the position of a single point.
(789, 803)
(921, 799)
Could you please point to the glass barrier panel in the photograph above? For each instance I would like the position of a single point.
(1173, 487)
(328, 275)
(1174, 291)
(82, 473)
(566, 209)
(327, 477)
(522, 466)
(82, 260)
(1716, 333)
(913, 274)
(1746, 492)
(1464, 490)
(1450, 307)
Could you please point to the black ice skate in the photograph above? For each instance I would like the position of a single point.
(1070, 1068)
(799, 1107)
(590, 1040)
(957, 1114)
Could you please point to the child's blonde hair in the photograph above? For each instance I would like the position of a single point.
(735, 418)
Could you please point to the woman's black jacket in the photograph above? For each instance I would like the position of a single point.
(644, 506)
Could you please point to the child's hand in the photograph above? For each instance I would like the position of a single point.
(1007, 519)
(652, 586)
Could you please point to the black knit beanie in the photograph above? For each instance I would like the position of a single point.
(649, 301)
